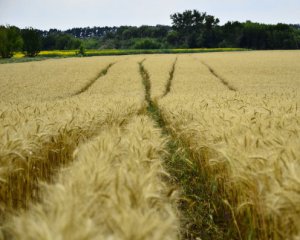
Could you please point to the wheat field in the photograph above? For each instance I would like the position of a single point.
(174, 146)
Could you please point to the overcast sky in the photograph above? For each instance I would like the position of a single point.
(64, 14)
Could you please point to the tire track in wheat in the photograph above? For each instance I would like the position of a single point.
(218, 76)
(183, 173)
(101, 74)
(146, 81)
(170, 80)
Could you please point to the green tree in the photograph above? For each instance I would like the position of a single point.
(147, 44)
(194, 28)
(173, 38)
(81, 51)
(49, 42)
(232, 33)
(32, 42)
(63, 42)
(10, 41)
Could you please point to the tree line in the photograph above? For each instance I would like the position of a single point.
(190, 29)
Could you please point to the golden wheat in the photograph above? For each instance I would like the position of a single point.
(235, 114)
(49, 79)
(258, 72)
(113, 190)
(123, 80)
(38, 137)
(159, 67)
(253, 133)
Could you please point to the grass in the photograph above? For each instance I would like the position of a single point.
(109, 52)
(43, 55)
(22, 59)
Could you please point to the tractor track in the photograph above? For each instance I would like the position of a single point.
(102, 73)
(218, 76)
(170, 79)
(185, 175)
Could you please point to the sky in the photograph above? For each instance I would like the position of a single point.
(65, 14)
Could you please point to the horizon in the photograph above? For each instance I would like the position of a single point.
(170, 25)
(67, 14)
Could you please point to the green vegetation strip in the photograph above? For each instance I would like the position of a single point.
(43, 55)
(91, 82)
(22, 59)
(203, 215)
(108, 52)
